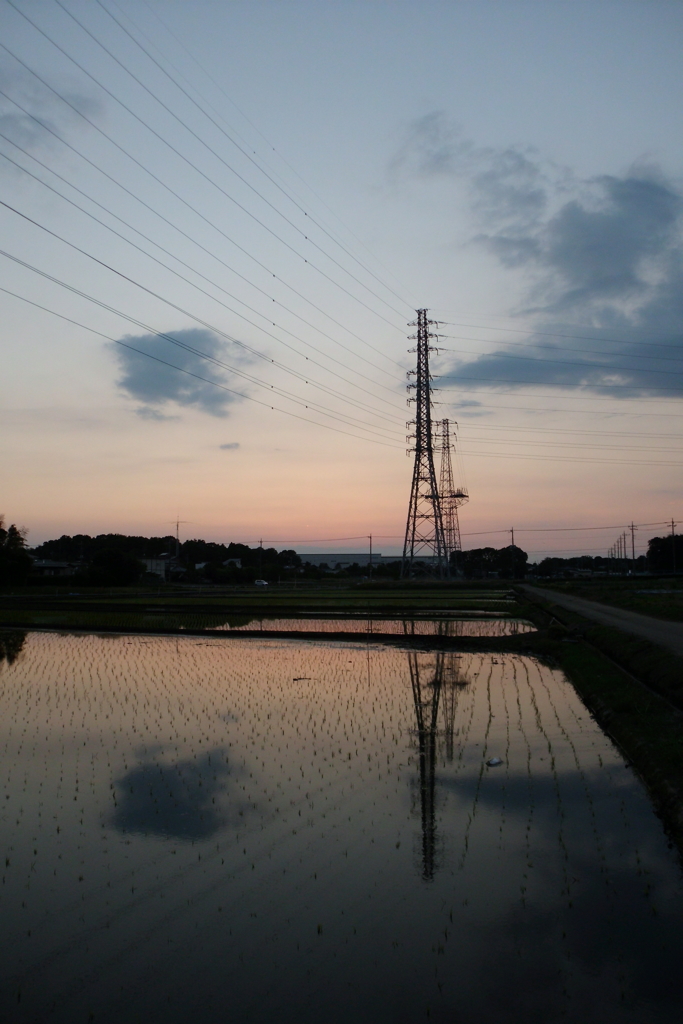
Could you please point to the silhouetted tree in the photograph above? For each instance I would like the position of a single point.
(15, 561)
(478, 563)
(112, 568)
(660, 553)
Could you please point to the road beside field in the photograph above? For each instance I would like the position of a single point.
(657, 631)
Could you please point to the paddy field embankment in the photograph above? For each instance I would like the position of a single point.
(633, 686)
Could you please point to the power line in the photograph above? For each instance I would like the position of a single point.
(495, 380)
(188, 237)
(245, 154)
(188, 348)
(206, 380)
(279, 390)
(182, 156)
(194, 210)
(173, 305)
(571, 444)
(566, 362)
(263, 384)
(251, 349)
(230, 100)
(202, 290)
(566, 458)
(556, 529)
(471, 409)
(546, 334)
(566, 430)
(555, 348)
(475, 533)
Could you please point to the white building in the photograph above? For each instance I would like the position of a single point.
(344, 559)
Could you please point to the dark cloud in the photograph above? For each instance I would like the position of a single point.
(231, 447)
(157, 385)
(605, 252)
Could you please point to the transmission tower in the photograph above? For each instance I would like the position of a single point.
(452, 497)
(425, 537)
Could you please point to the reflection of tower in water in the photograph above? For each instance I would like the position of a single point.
(434, 684)
(452, 685)
(426, 686)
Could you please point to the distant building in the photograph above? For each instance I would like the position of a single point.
(48, 567)
(156, 566)
(343, 559)
(236, 563)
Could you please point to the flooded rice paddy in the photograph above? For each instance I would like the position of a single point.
(413, 627)
(277, 831)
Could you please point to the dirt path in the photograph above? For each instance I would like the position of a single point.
(659, 631)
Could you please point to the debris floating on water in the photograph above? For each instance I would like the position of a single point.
(493, 762)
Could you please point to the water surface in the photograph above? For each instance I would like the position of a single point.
(286, 831)
(414, 627)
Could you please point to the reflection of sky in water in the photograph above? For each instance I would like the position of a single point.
(419, 627)
(11, 645)
(279, 831)
(185, 799)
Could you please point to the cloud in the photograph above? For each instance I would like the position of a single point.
(157, 385)
(19, 126)
(605, 251)
(469, 409)
(231, 447)
(146, 412)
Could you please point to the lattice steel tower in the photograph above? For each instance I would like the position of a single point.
(424, 528)
(452, 497)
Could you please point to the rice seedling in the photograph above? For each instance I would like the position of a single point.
(226, 803)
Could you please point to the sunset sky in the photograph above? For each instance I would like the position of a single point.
(219, 218)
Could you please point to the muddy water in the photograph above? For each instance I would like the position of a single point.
(275, 831)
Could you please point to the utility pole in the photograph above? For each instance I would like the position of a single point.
(633, 529)
(673, 545)
(370, 537)
(424, 527)
(178, 523)
(260, 557)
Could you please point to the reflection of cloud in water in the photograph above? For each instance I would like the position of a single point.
(520, 792)
(187, 800)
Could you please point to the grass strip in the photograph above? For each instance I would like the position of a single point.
(634, 691)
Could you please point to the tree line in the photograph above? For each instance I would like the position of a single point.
(115, 559)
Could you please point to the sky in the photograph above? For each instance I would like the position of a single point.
(218, 221)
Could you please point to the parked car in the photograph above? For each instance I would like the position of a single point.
(261, 583)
